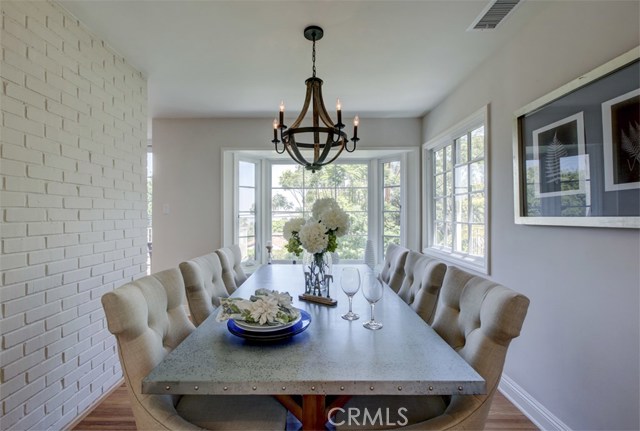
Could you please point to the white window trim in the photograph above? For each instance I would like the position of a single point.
(378, 242)
(480, 265)
(408, 156)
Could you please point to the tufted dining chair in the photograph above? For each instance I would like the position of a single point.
(478, 318)
(231, 261)
(392, 271)
(148, 318)
(421, 285)
(204, 286)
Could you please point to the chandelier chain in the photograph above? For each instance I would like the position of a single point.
(313, 55)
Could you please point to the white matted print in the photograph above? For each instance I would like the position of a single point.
(621, 141)
(559, 149)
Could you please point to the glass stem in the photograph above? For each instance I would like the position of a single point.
(372, 316)
(350, 301)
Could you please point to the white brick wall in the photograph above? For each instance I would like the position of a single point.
(73, 209)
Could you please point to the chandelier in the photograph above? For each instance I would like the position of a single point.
(323, 141)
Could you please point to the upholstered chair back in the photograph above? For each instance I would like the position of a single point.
(204, 285)
(421, 284)
(478, 318)
(231, 261)
(149, 320)
(393, 269)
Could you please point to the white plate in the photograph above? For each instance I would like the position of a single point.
(265, 328)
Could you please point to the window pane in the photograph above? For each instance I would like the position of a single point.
(246, 225)
(247, 248)
(286, 200)
(353, 199)
(477, 246)
(477, 175)
(448, 184)
(438, 234)
(391, 173)
(438, 161)
(448, 236)
(439, 209)
(448, 158)
(477, 207)
(438, 186)
(286, 176)
(246, 174)
(295, 191)
(477, 143)
(391, 223)
(462, 208)
(448, 209)
(462, 238)
(391, 197)
(247, 199)
(462, 149)
(462, 179)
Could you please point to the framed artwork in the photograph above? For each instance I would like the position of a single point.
(621, 128)
(559, 151)
(577, 151)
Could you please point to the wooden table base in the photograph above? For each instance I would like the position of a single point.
(313, 413)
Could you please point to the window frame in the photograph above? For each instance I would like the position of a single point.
(258, 200)
(479, 264)
(378, 242)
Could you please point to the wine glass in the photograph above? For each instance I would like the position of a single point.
(372, 290)
(350, 283)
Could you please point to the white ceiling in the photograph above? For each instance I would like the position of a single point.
(213, 58)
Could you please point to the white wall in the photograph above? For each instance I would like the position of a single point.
(187, 177)
(578, 354)
(73, 211)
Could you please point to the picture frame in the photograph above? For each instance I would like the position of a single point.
(576, 151)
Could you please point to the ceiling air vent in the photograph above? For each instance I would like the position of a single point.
(492, 15)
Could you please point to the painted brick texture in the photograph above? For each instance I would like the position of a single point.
(73, 207)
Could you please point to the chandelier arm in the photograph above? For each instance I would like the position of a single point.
(322, 110)
(294, 152)
(305, 106)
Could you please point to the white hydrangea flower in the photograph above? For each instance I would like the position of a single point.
(337, 220)
(322, 205)
(264, 310)
(313, 237)
(293, 225)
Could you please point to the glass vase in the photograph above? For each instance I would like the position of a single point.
(317, 273)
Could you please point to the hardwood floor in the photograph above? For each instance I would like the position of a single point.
(114, 413)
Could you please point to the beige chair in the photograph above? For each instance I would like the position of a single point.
(393, 270)
(148, 318)
(421, 284)
(478, 318)
(204, 286)
(231, 261)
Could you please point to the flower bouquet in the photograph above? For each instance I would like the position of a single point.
(318, 237)
(265, 307)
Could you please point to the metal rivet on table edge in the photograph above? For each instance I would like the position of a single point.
(399, 388)
(196, 387)
(226, 388)
(459, 388)
(166, 388)
(370, 388)
(254, 388)
(342, 388)
(284, 388)
(313, 388)
(430, 388)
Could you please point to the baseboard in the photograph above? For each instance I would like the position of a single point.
(93, 405)
(530, 407)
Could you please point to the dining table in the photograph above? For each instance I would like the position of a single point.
(317, 370)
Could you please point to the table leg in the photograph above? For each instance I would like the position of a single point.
(313, 414)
